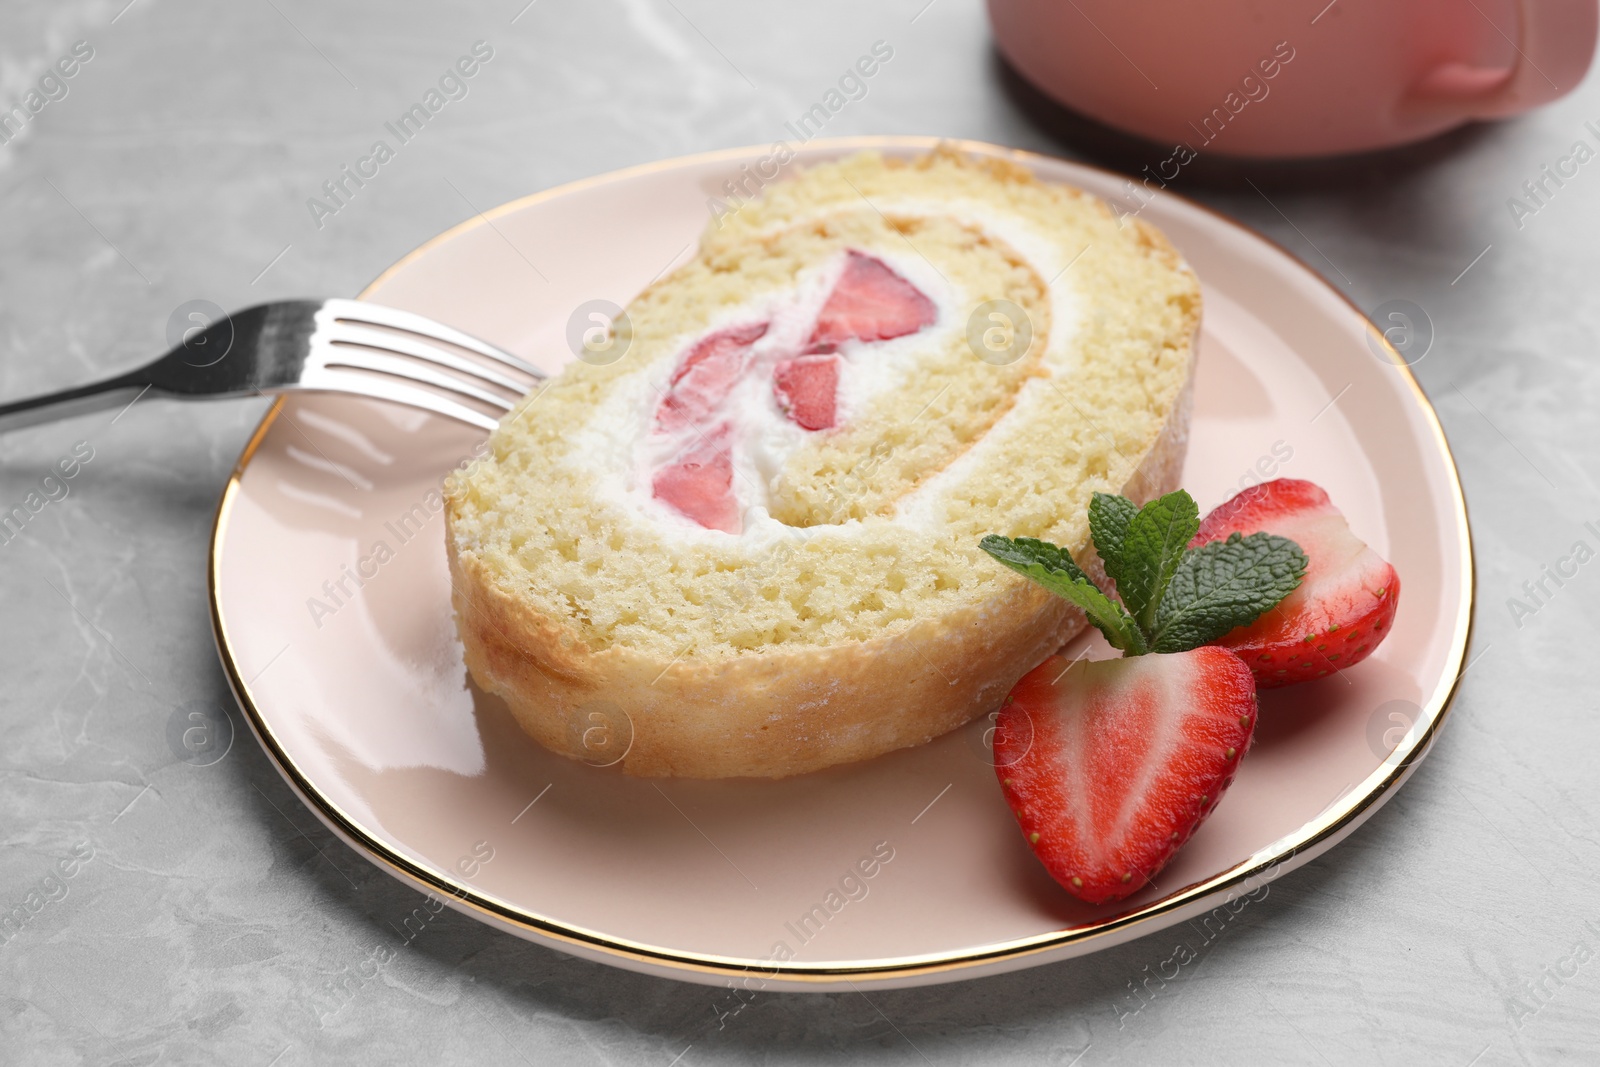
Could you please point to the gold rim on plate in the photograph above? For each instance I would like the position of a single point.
(1309, 841)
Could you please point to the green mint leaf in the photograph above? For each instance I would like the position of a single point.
(1224, 585)
(1154, 546)
(1054, 568)
(1109, 517)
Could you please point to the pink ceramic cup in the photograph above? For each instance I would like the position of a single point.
(1274, 78)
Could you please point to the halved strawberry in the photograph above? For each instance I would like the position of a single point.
(870, 302)
(700, 485)
(1110, 765)
(807, 389)
(1342, 610)
(706, 376)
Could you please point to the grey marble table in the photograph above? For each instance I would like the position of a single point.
(195, 914)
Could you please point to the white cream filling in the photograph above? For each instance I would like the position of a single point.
(621, 449)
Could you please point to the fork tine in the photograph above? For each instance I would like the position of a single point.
(345, 333)
(362, 385)
(334, 355)
(376, 314)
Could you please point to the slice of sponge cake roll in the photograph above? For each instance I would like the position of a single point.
(752, 540)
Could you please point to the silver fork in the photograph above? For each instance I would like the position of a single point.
(338, 346)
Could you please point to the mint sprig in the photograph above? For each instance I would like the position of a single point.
(1173, 598)
(1052, 567)
(1109, 520)
(1224, 585)
(1151, 551)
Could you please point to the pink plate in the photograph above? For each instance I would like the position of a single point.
(359, 694)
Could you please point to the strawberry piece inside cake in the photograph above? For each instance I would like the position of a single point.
(706, 376)
(870, 302)
(807, 388)
(700, 485)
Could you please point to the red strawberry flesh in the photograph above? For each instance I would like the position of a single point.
(1342, 610)
(1110, 766)
(700, 485)
(807, 389)
(870, 302)
(706, 376)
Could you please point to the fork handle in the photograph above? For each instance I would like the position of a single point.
(80, 400)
